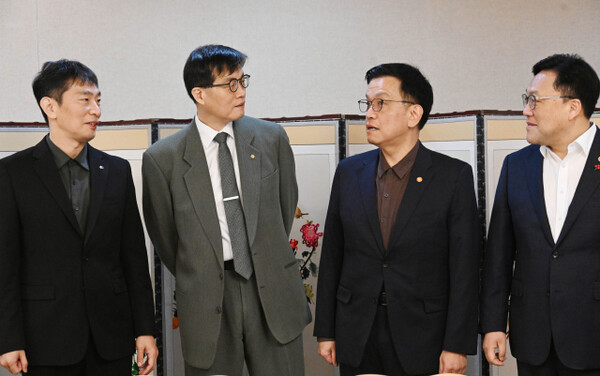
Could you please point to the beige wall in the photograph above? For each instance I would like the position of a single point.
(306, 58)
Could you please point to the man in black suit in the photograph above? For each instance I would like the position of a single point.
(398, 280)
(75, 289)
(543, 253)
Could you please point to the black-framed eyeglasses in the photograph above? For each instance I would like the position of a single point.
(376, 104)
(531, 100)
(233, 83)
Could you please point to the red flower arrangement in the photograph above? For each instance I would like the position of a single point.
(310, 238)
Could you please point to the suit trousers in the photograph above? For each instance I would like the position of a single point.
(91, 365)
(553, 367)
(245, 336)
(379, 356)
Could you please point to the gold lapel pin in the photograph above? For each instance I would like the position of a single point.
(251, 156)
(598, 159)
(419, 179)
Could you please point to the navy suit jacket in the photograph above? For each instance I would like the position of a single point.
(554, 288)
(430, 269)
(59, 285)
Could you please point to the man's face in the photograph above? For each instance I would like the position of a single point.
(76, 117)
(547, 123)
(390, 125)
(221, 105)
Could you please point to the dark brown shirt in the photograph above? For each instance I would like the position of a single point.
(391, 184)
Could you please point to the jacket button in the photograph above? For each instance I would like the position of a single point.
(221, 276)
(547, 292)
(218, 309)
(374, 301)
(385, 265)
(555, 254)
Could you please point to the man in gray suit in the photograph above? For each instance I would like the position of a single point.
(219, 201)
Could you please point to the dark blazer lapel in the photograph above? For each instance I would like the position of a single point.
(99, 171)
(199, 187)
(250, 173)
(414, 191)
(588, 183)
(368, 192)
(533, 175)
(45, 167)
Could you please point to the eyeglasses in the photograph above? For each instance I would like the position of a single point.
(376, 104)
(233, 83)
(531, 100)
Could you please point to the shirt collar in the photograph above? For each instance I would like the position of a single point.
(401, 168)
(207, 134)
(61, 158)
(582, 143)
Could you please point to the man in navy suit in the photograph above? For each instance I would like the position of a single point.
(75, 291)
(542, 263)
(398, 281)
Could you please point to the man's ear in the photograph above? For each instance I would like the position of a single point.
(49, 106)
(415, 113)
(198, 94)
(575, 109)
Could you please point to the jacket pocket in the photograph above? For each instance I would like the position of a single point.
(343, 294)
(29, 292)
(270, 174)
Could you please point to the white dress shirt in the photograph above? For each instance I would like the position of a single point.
(561, 177)
(211, 151)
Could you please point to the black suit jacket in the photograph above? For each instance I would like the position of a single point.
(58, 285)
(554, 288)
(430, 269)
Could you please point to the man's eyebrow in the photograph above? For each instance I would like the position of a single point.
(380, 95)
(89, 92)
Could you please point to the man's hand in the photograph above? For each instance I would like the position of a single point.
(451, 362)
(327, 351)
(146, 345)
(14, 361)
(494, 347)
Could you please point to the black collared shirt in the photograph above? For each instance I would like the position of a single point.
(75, 175)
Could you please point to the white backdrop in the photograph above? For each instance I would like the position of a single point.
(306, 57)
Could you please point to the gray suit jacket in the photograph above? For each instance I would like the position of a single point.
(182, 221)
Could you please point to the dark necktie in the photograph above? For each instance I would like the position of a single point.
(233, 210)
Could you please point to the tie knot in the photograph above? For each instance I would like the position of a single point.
(221, 137)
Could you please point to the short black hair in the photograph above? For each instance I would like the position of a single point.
(56, 77)
(413, 85)
(574, 78)
(205, 63)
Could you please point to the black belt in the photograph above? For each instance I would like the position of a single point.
(382, 300)
(228, 265)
